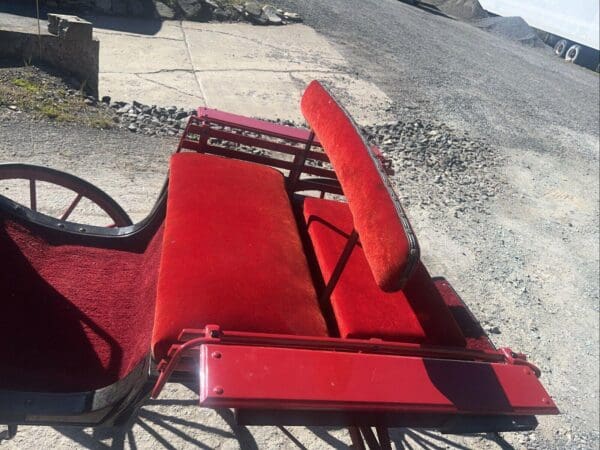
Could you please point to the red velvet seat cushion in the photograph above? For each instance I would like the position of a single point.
(73, 317)
(232, 254)
(362, 310)
(392, 255)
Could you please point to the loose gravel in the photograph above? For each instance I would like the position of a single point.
(436, 166)
(151, 120)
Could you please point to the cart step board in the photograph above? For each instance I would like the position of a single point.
(270, 377)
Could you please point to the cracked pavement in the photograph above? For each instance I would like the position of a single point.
(257, 71)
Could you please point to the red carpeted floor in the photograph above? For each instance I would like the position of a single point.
(72, 317)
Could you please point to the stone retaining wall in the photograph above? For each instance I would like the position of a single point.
(255, 11)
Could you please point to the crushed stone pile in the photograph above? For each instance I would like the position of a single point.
(512, 28)
(437, 166)
(466, 10)
(432, 166)
(150, 119)
(252, 11)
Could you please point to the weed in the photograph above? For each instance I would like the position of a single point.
(101, 123)
(56, 113)
(27, 85)
(50, 111)
(82, 87)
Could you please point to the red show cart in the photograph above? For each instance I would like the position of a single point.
(277, 272)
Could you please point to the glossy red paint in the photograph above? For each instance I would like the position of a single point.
(255, 125)
(263, 377)
(191, 339)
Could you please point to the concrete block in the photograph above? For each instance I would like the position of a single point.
(68, 27)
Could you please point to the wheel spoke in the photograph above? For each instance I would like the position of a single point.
(32, 195)
(81, 188)
(71, 207)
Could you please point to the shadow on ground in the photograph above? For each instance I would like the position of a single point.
(147, 26)
(160, 427)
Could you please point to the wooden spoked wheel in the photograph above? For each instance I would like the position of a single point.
(38, 177)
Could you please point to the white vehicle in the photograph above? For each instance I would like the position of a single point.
(570, 26)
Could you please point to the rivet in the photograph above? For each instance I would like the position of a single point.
(545, 400)
(82, 229)
(216, 355)
(218, 390)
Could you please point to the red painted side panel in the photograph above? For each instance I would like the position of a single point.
(263, 377)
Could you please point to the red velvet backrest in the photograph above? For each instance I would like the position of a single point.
(388, 241)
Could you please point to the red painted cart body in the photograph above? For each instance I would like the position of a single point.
(433, 367)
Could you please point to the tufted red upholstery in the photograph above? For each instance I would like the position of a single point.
(232, 254)
(389, 243)
(362, 310)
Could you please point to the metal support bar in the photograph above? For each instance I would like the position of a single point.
(32, 195)
(11, 431)
(339, 267)
(298, 163)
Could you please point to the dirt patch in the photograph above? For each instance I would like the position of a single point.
(42, 93)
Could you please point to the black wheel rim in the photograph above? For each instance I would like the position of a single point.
(81, 188)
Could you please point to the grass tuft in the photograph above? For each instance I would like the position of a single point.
(27, 85)
(103, 124)
(55, 113)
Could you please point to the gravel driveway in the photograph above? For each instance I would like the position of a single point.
(514, 95)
